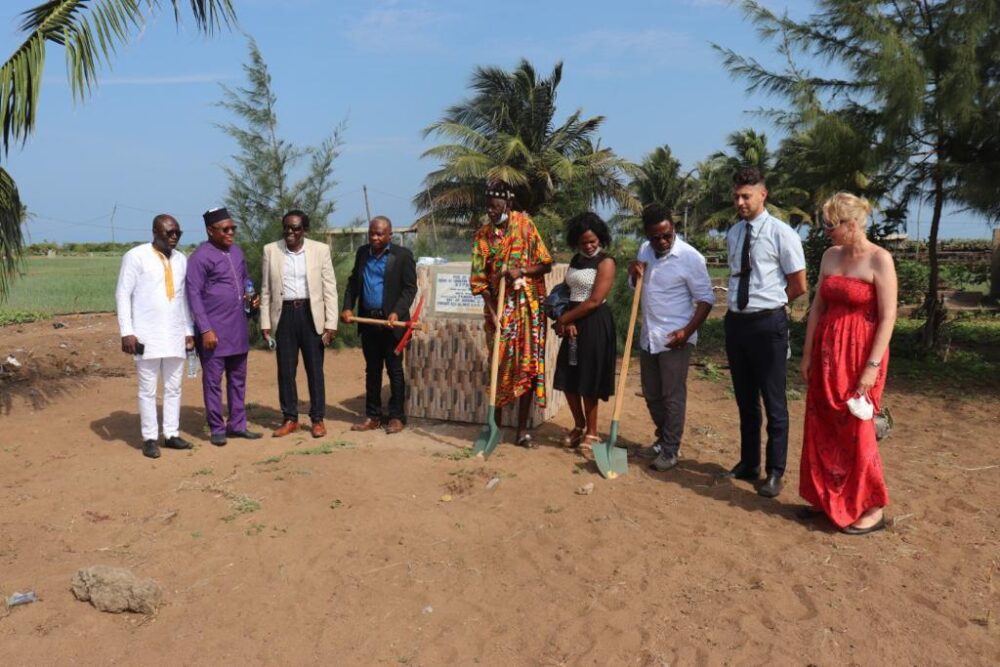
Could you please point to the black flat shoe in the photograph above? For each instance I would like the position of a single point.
(177, 442)
(771, 487)
(150, 449)
(218, 439)
(740, 471)
(877, 526)
(248, 435)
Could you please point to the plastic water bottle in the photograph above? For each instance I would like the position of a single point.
(572, 351)
(249, 292)
(21, 598)
(192, 364)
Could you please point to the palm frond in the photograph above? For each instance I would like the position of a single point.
(11, 239)
(90, 32)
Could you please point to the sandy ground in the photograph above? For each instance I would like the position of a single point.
(270, 555)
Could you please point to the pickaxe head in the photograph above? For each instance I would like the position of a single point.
(414, 320)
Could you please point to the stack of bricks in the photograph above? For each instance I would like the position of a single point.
(447, 363)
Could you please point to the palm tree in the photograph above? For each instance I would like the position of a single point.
(507, 131)
(748, 149)
(90, 32)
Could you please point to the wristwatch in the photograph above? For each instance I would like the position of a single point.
(874, 364)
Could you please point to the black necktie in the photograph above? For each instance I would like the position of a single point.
(743, 291)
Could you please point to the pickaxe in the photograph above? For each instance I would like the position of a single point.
(413, 323)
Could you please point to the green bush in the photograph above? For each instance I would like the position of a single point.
(912, 278)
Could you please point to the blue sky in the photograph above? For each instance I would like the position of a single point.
(147, 139)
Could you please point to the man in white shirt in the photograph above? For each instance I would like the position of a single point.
(299, 304)
(157, 329)
(676, 298)
(767, 272)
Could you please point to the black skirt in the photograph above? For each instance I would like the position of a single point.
(594, 373)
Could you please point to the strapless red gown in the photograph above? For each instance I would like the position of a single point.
(841, 470)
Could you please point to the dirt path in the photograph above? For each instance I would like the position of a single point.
(342, 551)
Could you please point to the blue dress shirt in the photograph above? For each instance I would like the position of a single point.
(373, 280)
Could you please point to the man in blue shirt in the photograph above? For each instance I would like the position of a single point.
(383, 284)
(767, 272)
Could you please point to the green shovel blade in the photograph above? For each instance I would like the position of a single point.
(489, 436)
(611, 460)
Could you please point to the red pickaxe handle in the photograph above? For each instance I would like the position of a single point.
(414, 319)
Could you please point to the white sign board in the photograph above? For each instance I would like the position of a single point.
(453, 296)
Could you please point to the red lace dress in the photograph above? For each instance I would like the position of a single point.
(841, 471)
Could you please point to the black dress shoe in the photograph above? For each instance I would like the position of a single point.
(218, 439)
(743, 472)
(177, 442)
(150, 449)
(664, 462)
(249, 435)
(771, 487)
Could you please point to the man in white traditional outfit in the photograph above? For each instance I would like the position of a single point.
(156, 329)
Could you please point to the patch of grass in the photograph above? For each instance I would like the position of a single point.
(325, 448)
(254, 529)
(8, 317)
(242, 504)
(460, 454)
(60, 284)
(711, 371)
(552, 509)
(335, 503)
(268, 461)
(203, 471)
(196, 534)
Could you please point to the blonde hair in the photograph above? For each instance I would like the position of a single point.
(844, 206)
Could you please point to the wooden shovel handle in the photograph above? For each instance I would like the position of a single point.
(495, 362)
(399, 324)
(623, 373)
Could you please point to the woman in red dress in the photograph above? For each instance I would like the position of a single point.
(845, 355)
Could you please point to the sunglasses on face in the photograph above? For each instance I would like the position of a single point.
(173, 232)
(292, 229)
(226, 230)
(827, 226)
(661, 237)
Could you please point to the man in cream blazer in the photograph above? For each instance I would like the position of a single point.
(298, 313)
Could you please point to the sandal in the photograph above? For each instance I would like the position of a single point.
(590, 440)
(526, 442)
(572, 438)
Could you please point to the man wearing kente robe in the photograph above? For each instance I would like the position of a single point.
(216, 282)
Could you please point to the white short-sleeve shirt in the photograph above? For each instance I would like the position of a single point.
(775, 252)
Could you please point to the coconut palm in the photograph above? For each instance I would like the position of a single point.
(748, 149)
(90, 32)
(507, 131)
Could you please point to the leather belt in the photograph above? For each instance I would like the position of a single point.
(295, 303)
(755, 315)
(375, 313)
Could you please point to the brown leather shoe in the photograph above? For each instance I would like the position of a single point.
(369, 424)
(394, 426)
(285, 429)
(318, 430)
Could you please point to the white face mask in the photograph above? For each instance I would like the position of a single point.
(503, 218)
(597, 250)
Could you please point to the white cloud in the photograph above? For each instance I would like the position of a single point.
(389, 27)
(171, 80)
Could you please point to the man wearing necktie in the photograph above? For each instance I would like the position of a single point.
(767, 272)
(156, 329)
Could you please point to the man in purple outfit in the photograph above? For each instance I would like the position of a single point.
(216, 280)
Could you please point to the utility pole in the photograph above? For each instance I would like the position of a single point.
(113, 211)
(368, 211)
(434, 229)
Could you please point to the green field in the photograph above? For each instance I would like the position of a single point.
(56, 285)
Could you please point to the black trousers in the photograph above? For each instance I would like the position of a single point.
(296, 334)
(757, 347)
(378, 344)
